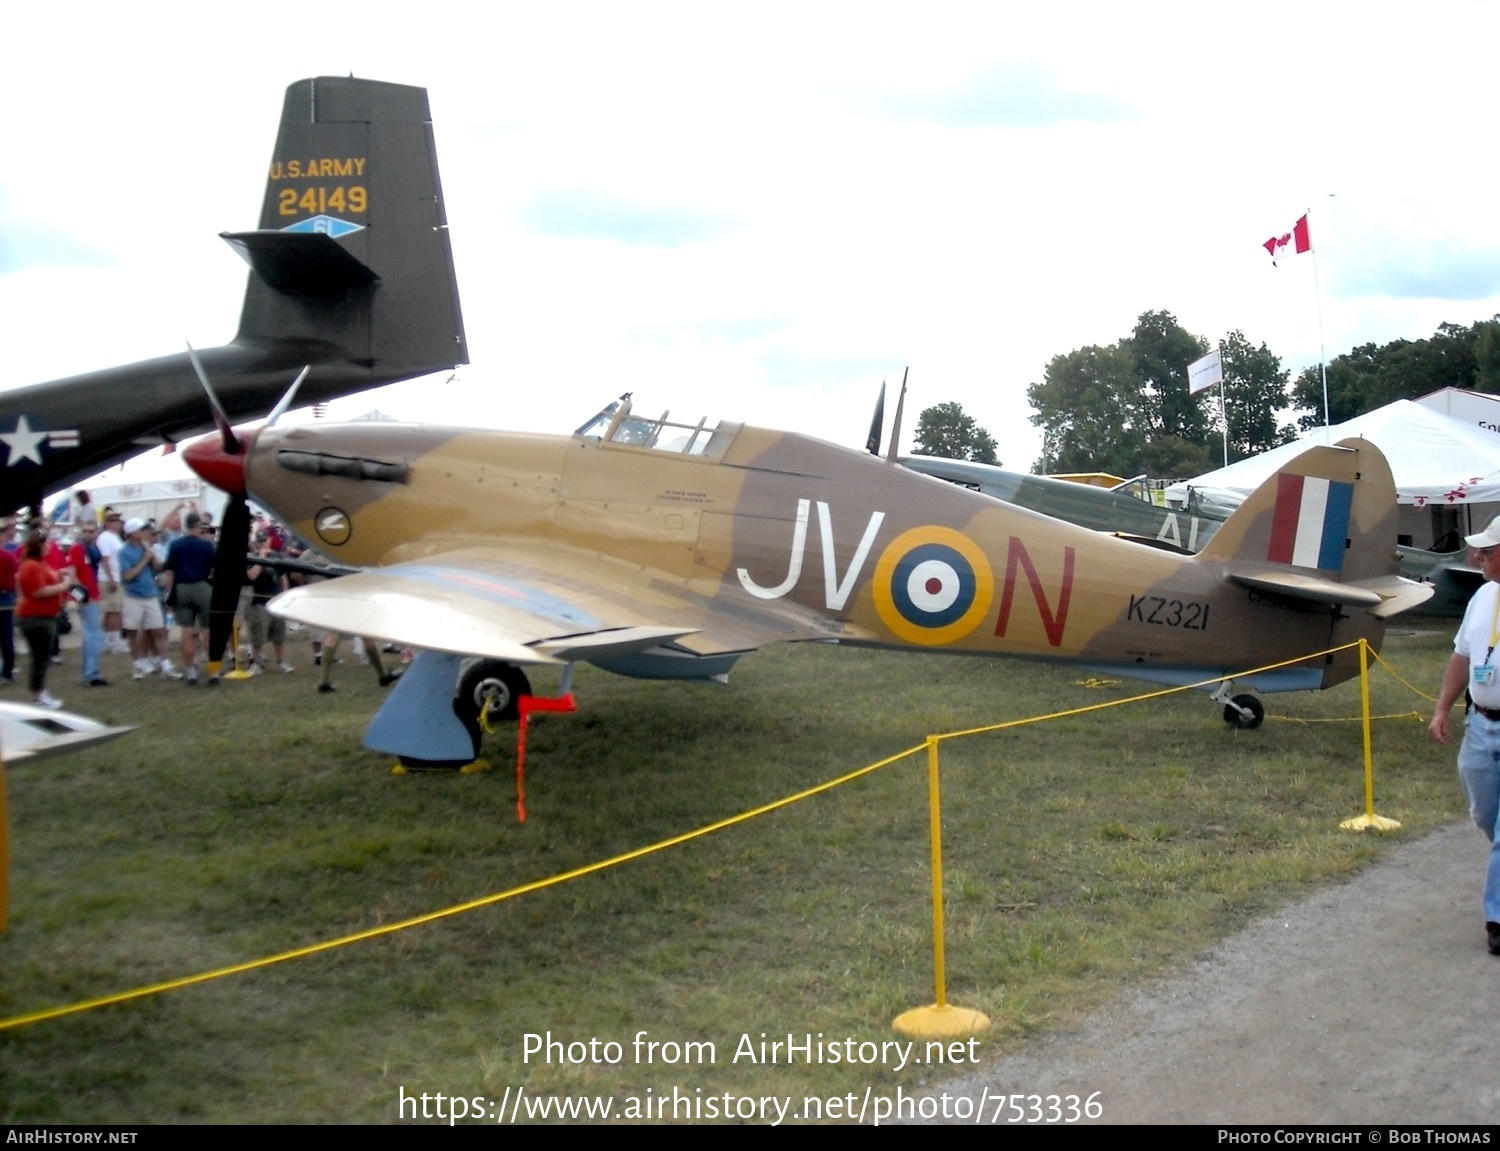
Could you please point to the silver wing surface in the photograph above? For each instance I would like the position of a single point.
(541, 605)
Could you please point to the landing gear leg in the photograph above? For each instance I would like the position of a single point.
(1243, 711)
(417, 721)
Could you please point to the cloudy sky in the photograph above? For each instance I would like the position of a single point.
(760, 211)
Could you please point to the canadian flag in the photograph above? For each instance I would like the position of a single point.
(1294, 243)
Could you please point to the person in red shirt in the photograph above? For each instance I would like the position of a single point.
(41, 590)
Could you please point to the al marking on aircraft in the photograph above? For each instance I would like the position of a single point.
(1103, 509)
(788, 538)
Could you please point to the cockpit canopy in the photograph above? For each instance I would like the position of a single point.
(616, 424)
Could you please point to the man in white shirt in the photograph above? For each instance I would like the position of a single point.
(111, 596)
(1475, 666)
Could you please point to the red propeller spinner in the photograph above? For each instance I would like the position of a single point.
(220, 465)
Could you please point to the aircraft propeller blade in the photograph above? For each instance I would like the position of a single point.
(221, 419)
(286, 401)
(877, 424)
(229, 576)
(226, 469)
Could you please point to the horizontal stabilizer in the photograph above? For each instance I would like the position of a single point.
(1308, 587)
(301, 263)
(1396, 594)
(28, 731)
(1385, 596)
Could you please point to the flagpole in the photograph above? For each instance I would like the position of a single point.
(1299, 239)
(1224, 419)
(1322, 355)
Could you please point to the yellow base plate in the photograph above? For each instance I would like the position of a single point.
(946, 1022)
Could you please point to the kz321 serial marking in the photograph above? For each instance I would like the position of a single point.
(669, 550)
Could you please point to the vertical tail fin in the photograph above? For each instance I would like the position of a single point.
(1331, 511)
(1322, 532)
(352, 260)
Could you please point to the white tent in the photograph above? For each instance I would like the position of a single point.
(1446, 466)
(1478, 408)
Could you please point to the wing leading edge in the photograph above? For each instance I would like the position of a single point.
(535, 606)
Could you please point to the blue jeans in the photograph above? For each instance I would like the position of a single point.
(93, 639)
(8, 642)
(1479, 768)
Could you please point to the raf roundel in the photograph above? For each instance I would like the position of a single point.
(932, 586)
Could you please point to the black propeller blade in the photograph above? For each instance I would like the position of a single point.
(230, 555)
(877, 424)
(224, 467)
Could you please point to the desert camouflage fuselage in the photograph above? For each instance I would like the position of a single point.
(670, 550)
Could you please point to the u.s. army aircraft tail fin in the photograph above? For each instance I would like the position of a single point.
(1320, 533)
(351, 274)
(352, 254)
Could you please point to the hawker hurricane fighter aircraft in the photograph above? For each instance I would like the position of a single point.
(669, 550)
(351, 277)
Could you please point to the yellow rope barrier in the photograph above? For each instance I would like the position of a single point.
(930, 745)
(1414, 690)
(456, 909)
(941, 1018)
(1297, 719)
(1166, 691)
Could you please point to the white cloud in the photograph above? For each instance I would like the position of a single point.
(795, 200)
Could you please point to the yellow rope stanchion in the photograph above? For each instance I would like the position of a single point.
(1369, 820)
(4, 856)
(940, 1020)
(234, 639)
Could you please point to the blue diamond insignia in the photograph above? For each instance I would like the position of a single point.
(328, 225)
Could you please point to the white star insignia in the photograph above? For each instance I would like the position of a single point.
(24, 444)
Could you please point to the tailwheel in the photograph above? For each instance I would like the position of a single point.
(1245, 712)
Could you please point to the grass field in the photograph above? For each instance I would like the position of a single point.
(1084, 856)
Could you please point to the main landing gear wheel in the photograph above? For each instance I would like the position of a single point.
(499, 686)
(1235, 712)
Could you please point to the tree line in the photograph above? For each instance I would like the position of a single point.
(1125, 407)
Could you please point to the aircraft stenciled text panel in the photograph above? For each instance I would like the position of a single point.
(679, 496)
(1191, 615)
(323, 166)
(317, 200)
(307, 183)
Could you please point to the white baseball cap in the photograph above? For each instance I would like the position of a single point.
(1488, 538)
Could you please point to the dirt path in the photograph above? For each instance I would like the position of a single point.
(1372, 1002)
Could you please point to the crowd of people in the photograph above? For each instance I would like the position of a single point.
(126, 582)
